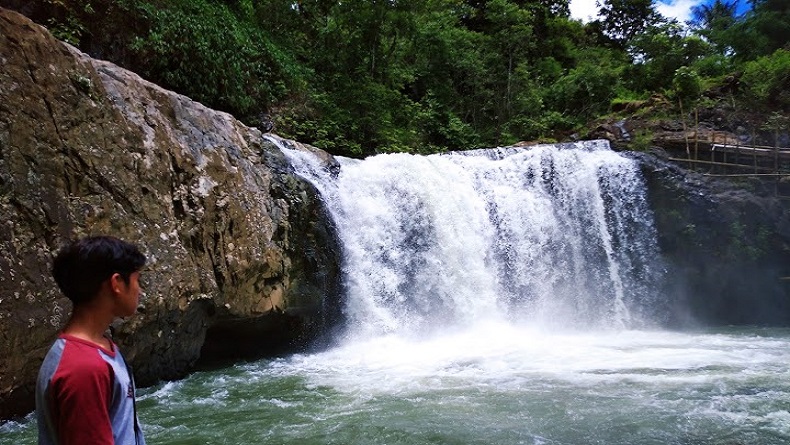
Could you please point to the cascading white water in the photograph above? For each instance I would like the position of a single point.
(547, 235)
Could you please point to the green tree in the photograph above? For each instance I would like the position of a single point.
(622, 20)
(201, 49)
(658, 52)
(763, 30)
(587, 89)
(357, 77)
(713, 21)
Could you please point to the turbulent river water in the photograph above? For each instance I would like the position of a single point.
(504, 296)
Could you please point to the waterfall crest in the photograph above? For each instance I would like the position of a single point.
(551, 235)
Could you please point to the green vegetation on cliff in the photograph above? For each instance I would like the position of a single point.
(356, 77)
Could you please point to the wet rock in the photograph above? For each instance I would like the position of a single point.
(726, 246)
(232, 236)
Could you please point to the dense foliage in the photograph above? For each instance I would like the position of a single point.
(356, 77)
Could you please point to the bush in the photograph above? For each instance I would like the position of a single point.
(686, 83)
(767, 80)
(585, 91)
(713, 66)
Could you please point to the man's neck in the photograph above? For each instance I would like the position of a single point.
(90, 325)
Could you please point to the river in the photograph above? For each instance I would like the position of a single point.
(503, 296)
(493, 384)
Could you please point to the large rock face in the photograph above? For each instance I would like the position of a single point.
(241, 255)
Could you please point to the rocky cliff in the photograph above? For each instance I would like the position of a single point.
(724, 230)
(726, 246)
(241, 256)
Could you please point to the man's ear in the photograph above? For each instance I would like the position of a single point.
(115, 283)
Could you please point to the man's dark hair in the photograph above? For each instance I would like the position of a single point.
(82, 265)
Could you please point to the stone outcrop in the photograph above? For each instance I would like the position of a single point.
(241, 255)
(657, 122)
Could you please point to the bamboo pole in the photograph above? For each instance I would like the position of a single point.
(776, 159)
(760, 152)
(744, 175)
(704, 162)
(685, 131)
(776, 149)
(724, 152)
(754, 152)
(737, 150)
(696, 133)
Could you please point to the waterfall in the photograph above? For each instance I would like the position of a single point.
(557, 236)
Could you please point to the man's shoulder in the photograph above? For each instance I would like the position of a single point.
(80, 358)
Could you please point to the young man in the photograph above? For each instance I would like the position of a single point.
(85, 391)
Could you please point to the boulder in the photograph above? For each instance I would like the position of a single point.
(242, 257)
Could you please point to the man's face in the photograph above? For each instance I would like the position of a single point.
(129, 296)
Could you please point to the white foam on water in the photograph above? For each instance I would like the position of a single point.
(510, 358)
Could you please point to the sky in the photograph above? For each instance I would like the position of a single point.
(678, 9)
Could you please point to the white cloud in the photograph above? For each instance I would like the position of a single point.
(586, 10)
(678, 9)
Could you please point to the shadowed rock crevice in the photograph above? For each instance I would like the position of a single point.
(232, 340)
